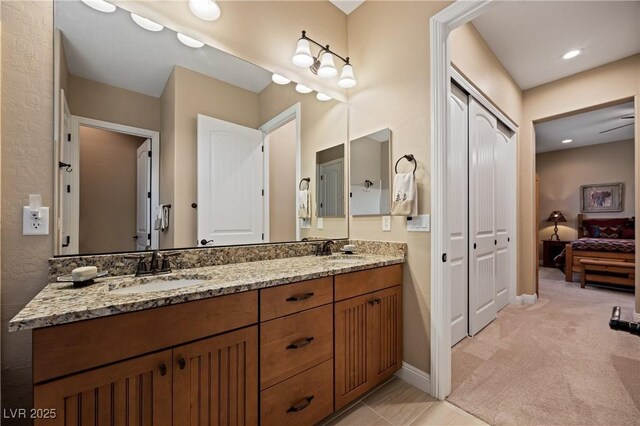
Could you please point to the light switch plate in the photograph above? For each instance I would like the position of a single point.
(35, 226)
(420, 223)
(320, 223)
(305, 223)
(386, 223)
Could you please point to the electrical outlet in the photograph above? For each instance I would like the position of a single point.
(320, 223)
(33, 225)
(386, 223)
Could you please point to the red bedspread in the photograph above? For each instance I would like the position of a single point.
(605, 244)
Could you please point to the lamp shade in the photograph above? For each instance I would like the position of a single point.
(302, 57)
(556, 216)
(347, 79)
(207, 10)
(327, 67)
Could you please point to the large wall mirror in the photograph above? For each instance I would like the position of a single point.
(164, 145)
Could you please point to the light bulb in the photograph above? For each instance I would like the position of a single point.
(207, 10)
(301, 88)
(322, 97)
(280, 79)
(188, 41)
(146, 23)
(327, 68)
(347, 79)
(571, 54)
(100, 5)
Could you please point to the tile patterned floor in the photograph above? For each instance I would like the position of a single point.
(398, 403)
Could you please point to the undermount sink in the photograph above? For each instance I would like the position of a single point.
(156, 285)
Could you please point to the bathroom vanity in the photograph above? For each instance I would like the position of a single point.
(281, 341)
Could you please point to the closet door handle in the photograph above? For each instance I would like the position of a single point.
(495, 242)
(474, 246)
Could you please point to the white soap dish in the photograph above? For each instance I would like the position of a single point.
(348, 251)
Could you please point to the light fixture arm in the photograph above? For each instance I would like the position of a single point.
(325, 48)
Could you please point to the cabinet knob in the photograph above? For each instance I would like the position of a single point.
(299, 406)
(300, 343)
(299, 297)
(182, 363)
(163, 369)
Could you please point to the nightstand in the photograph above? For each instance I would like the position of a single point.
(550, 249)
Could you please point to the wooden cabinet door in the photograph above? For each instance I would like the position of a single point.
(386, 334)
(215, 380)
(134, 392)
(352, 346)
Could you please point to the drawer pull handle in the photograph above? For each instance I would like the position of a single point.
(163, 369)
(299, 297)
(182, 363)
(301, 405)
(300, 343)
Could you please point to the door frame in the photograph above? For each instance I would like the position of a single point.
(294, 112)
(441, 25)
(77, 121)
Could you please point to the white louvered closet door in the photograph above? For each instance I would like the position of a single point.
(482, 217)
(458, 198)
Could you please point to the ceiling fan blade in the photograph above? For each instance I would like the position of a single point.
(616, 128)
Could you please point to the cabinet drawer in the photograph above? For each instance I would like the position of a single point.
(304, 399)
(295, 343)
(363, 282)
(288, 299)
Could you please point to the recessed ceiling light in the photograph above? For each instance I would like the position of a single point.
(322, 97)
(301, 88)
(207, 10)
(188, 41)
(100, 5)
(280, 79)
(145, 23)
(571, 54)
(567, 141)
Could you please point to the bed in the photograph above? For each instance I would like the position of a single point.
(597, 240)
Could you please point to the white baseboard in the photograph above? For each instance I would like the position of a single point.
(636, 317)
(529, 299)
(415, 377)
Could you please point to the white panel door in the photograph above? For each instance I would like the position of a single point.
(230, 182)
(504, 180)
(143, 196)
(482, 217)
(331, 188)
(457, 154)
(69, 188)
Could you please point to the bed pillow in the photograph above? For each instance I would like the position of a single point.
(599, 231)
(588, 224)
(628, 233)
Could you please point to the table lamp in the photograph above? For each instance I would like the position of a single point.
(555, 217)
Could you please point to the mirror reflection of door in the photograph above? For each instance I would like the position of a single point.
(331, 188)
(112, 215)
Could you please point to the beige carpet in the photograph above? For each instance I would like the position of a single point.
(552, 363)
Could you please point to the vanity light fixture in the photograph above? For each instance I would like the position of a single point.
(567, 141)
(188, 41)
(571, 54)
(280, 79)
(100, 5)
(207, 10)
(301, 88)
(322, 97)
(323, 64)
(146, 23)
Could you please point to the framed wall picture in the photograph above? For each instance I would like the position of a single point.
(601, 198)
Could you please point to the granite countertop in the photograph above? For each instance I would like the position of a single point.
(60, 303)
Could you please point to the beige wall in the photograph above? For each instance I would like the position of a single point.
(563, 172)
(27, 168)
(91, 99)
(601, 85)
(392, 39)
(108, 181)
(323, 125)
(282, 178)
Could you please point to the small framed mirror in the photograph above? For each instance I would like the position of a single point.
(330, 182)
(370, 171)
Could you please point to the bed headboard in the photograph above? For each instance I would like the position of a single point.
(580, 228)
(582, 218)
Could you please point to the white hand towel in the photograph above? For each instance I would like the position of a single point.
(161, 222)
(405, 195)
(304, 204)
